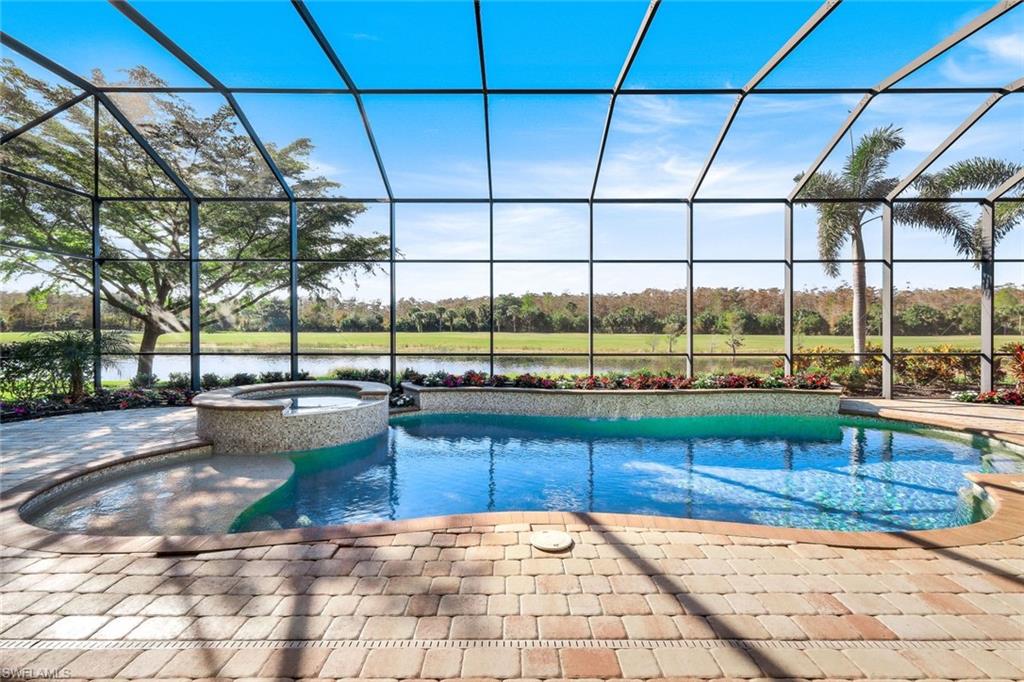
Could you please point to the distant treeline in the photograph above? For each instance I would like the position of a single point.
(924, 312)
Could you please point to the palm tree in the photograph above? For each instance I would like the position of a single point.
(863, 177)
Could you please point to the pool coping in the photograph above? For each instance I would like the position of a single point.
(1005, 523)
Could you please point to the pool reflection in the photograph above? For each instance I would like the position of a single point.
(837, 473)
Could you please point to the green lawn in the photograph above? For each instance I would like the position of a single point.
(432, 342)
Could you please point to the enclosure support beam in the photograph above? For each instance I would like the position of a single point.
(787, 296)
(184, 57)
(97, 330)
(956, 90)
(960, 131)
(293, 287)
(43, 118)
(393, 302)
(193, 285)
(590, 292)
(1003, 189)
(812, 23)
(342, 72)
(887, 302)
(76, 80)
(638, 39)
(950, 41)
(988, 277)
(689, 290)
(43, 181)
(477, 10)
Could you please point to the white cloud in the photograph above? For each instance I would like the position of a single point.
(994, 59)
(1009, 47)
(540, 231)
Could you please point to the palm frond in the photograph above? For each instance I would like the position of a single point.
(824, 185)
(974, 174)
(836, 221)
(947, 219)
(1009, 214)
(870, 158)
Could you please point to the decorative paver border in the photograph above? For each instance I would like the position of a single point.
(1006, 492)
(176, 645)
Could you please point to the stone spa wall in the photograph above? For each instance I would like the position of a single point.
(624, 403)
(250, 420)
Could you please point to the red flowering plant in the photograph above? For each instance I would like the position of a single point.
(590, 383)
(637, 381)
(451, 381)
(530, 381)
(655, 382)
(739, 381)
(1015, 366)
(808, 381)
(1003, 397)
(472, 378)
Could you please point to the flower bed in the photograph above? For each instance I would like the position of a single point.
(100, 401)
(1001, 397)
(640, 381)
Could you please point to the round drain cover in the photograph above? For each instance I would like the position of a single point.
(551, 540)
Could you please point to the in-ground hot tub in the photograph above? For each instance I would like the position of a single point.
(291, 415)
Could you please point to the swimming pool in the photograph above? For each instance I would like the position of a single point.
(838, 473)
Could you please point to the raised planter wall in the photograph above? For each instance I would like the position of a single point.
(250, 420)
(624, 403)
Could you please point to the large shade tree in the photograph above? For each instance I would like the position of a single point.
(864, 177)
(145, 245)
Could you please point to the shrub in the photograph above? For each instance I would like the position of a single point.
(382, 376)
(99, 401)
(26, 372)
(211, 380)
(179, 380)
(936, 367)
(242, 379)
(851, 377)
(57, 363)
(143, 380)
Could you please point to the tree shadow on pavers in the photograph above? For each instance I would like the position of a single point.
(955, 554)
(731, 638)
(293, 658)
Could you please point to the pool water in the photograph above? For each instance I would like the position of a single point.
(315, 401)
(834, 473)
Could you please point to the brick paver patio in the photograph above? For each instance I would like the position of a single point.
(480, 602)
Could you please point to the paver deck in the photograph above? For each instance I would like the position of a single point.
(480, 602)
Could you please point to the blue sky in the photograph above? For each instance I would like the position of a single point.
(433, 146)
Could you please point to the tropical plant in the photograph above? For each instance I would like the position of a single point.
(58, 363)
(1015, 365)
(74, 354)
(864, 180)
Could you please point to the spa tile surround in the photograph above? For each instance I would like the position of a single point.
(254, 420)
